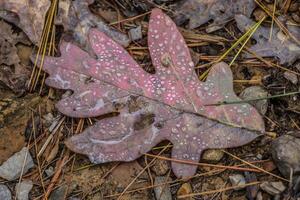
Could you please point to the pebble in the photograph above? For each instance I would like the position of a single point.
(162, 192)
(251, 190)
(273, 188)
(255, 92)
(49, 171)
(213, 155)
(161, 167)
(135, 33)
(286, 154)
(259, 196)
(291, 77)
(237, 180)
(185, 189)
(59, 193)
(23, 189)
(12, 168)
(5, 193)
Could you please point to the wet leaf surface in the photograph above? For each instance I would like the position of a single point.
(168, 105)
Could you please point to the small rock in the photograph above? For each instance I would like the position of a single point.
(214, 155)
(255, 92)
(259, 196)
(48, 119)
(237, 180)
(185, 189)
(49, 171)
(259, 156)
(59, 193)
(273, 188)
(5, 193)
(135, 33)
(162, 192)
(251, 190)
(23, 189)
(286, 154)
(161, 167)
(291, 77)
(11, 169)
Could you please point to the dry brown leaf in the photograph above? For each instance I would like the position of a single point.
(29, 15)
(220, 11)
(13, 75)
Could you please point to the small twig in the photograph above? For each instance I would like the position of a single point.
(256, 26)
(202, 164)
(254, 166)
(218, 190)
(139, 174)
(56, 175)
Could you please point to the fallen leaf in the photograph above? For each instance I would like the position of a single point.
(199, 12)
(13, 75)
(29, 15)
(168, 105)
(77, 19)
(278, 46)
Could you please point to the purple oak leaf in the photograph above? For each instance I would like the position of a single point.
(278, 46)
(168, 105)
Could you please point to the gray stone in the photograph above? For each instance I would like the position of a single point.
(49, 171)
(59, 193)
(259, 196)
(23, 189)
(5, 193)
(12, 168)
(237, 180)
(273, 188)
(286, 154)
(162, 192)
(256, 92)
(135, 33)
(291, 77)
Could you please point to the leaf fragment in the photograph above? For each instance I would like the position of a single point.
(13, 74)
(77, 19)
(199, 12)
(29, 15)
(278, 45)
